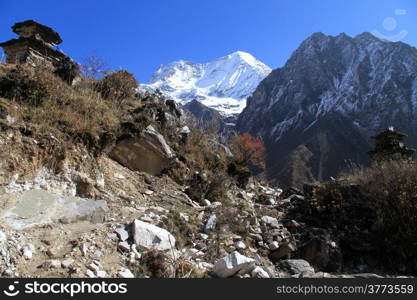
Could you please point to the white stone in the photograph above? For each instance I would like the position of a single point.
(67, 262)
(3, 237)
(149, 236)
(269, 220)
(135, 251)
(273, 246)
(90, 274)
(52, 263)
(122, 233)
(119, 176)
(271, 201)
(185, 130)
(185, 217)
(205, 265)
(211, 223)
(203, 236)
(125, 273)
(27, 252)
(258, 272)
(240, 245)
(124, 246)
(148, 192)
(101, 274)
(233, 264)
(97, 254)
(84, 249)
(206, 202)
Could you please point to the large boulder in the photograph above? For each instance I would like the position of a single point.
(148, 152)
(38, 207)
(148, 236)
(234, 263)
(297, 266)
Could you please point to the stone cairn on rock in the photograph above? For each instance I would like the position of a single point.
(36, 46)
(389, 145)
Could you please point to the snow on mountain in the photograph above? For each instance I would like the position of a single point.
(317, 113)
(222, 84)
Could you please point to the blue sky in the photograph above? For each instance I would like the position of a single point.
(141, 35)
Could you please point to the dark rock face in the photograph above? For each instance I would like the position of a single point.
(320, 110)
(206, 117)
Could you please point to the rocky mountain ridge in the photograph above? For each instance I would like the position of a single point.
(321, 108)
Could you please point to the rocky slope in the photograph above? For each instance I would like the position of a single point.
(97, 187)
(206, 117)
(222, 84)
(320, 110)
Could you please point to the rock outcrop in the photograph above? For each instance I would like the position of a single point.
(147, 153)
(39, 207)
(35, 46)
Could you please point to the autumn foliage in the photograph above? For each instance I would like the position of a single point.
(249, 150)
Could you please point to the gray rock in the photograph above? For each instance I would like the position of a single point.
(51, 264)
(297, 266)
(3, 237)
(210, 224)
(27, 251)
(233, 264)
(66, 263)
(125, 273)
(149, 236)
(271, 201)
(90, 273)
(273, 246)
(284, 250)
(122, 233)
(270, 221)
(101, 274)
(240, 245)
(258, 272)
(203, 236)
(39, 207)
(124, 246)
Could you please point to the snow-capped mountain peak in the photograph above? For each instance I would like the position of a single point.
(222, 84)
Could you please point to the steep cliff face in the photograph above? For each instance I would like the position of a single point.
(328, 99)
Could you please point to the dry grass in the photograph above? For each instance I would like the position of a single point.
(45, 104)
(377, 205)
(391, 190)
